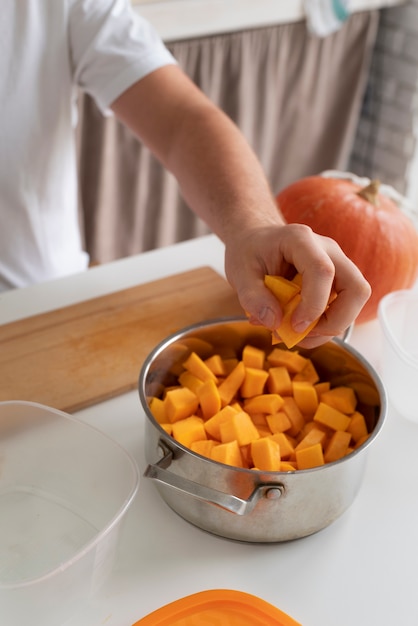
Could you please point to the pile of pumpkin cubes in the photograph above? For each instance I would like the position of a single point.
(266, 410)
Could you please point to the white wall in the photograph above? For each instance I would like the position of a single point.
(185, 19)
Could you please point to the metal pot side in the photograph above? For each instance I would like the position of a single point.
(248, 505)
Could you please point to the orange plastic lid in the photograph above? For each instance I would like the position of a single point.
(218, 607)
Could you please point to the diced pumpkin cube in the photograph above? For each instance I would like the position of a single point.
(294, 414)
(157, 408)
(186, 379)
(283, 290)
(180, 403)
(254, 381)
(212, 425)
(229, 364)
(366, 392)
(321, 387)
(286, 447)
(253, 357)
(315, 435)
(310, 457)
(174, 357)
(230, 386)
(238, 427)
(337, 446)
(308, 373)
(247, 460)
(357, 426)
(188, 430)
(332, 296)
(262, 426)
(286, 332)
(264, 403)
(293, 361)
(203, 447)
(289, 303)
(264, 431)
(275, 338)
(209, 399)
(341, 398)
(278, 422)
(292, 440)
(168, 428)
(305, 397)
(195, 365)
(361, 441)
(288, 466)
(216, 365)
(297, 279)
(279, 381)
(259, 419)
(227, 453)
(328, 416)
(266, 454)
(169, 389)
(311, 425)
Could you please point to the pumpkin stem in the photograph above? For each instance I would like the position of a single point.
(370, 192)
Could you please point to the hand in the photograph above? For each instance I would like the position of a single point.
(281, 249)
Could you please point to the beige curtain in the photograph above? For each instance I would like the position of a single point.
(295, 97)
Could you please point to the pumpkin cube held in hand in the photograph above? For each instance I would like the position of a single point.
(287, 293)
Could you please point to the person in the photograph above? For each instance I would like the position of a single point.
(52, 47)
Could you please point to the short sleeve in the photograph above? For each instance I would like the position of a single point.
(112, 47)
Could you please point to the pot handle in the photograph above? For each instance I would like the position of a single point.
(230, 503)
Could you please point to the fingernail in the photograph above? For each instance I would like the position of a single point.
(301, 326)
(267, 317)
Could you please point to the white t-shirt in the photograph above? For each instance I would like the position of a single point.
(47, 49)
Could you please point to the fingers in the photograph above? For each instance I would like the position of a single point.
(248, 258)
(323, 266)
(352, 290)
(247, 278)
(310, 255)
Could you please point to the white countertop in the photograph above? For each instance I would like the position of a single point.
(360, 571)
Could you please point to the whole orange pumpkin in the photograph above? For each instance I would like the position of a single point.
(370, 228)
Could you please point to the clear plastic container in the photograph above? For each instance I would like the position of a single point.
(398, 316)
(65, 488)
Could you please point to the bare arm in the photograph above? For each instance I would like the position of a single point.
(200, 145)
(223, 182)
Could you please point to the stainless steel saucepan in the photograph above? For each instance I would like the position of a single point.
(251, 505)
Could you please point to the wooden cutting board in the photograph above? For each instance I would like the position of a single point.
(82, 354)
